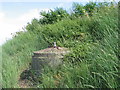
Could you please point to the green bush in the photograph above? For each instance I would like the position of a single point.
(51, 16)
(93, 41)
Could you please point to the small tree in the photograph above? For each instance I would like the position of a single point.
(90, 7)
(53, 16)
(78, 9)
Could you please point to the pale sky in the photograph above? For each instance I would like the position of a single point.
(14, 14)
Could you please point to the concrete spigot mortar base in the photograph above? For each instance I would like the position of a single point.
(48, 57)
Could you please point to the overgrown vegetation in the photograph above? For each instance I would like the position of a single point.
(90, 32)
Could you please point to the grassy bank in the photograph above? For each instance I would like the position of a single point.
(92, 63)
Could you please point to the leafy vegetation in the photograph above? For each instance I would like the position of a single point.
(53, 16)
(92, 39)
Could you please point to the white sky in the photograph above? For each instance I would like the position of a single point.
(54, 0)
(10, 25)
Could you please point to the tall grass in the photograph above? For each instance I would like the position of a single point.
(92, 63)
(16, 56)
(94, 46)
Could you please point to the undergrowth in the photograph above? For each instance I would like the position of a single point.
(92, 63)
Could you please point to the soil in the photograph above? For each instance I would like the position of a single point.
(28, 79)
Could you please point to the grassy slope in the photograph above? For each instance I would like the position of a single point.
(93, 43)
(99, 61)
(16, 56)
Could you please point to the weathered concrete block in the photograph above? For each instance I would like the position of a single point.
(51, 57)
